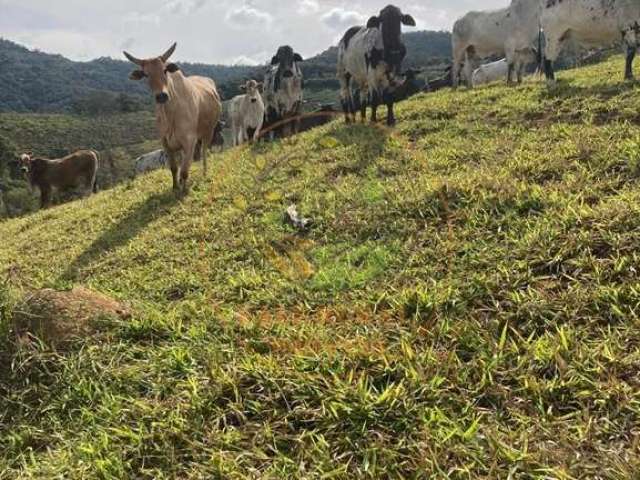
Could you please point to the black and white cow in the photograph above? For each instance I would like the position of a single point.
(590, 23)
(370, 60)
(283, 91)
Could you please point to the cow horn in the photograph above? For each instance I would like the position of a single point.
(169, 52)
(133, 59)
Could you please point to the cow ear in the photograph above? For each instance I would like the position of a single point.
(408, 21)
(243, 87)
(137, 75)
(374, 22)
(298, 58)
(171, 68)
(275, 60)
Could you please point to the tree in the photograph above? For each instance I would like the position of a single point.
(8, 154)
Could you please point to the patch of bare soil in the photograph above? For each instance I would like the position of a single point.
(57, 318)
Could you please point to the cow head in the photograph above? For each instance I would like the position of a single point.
(26, 160)
(390, 22)
(286, 60)
(156, 71)
(252, 90)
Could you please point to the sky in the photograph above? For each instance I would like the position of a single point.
(207, 31)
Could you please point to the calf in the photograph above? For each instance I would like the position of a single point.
(150, 161)
(411, 86)
(247, 114)
(77, 169)
(370, 60)
(490, 72)
(591, 23)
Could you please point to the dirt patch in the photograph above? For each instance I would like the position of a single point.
(59, 317)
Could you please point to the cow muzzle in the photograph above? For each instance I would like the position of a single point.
(254, 100)
(162, 98)
(25, 170)
(287, 74)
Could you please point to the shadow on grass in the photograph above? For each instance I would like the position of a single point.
(567, 88)
(369, 139)
(120, 234)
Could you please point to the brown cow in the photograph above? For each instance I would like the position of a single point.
(77, 169)
(187, 111)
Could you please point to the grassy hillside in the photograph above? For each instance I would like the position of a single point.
(467, 305)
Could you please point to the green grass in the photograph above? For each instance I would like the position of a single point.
(467, 305)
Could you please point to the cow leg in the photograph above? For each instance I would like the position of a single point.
(45, 196)
(206, 148)
(256, 134)
(375, 102)
(173, 165)
(187, 160)
(345, 96)
(510, 71)
(88, 186)
(520, 70)
(456, 67)
(363, 105)
(631, 55)
(470, 64)
(387, 97)
(551, 52)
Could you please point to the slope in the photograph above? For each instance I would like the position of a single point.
(466, 305)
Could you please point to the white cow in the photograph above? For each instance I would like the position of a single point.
(151, 161)
(370, 60)
(512, 32)
(490, 72)
(247, 114)
(590, 23)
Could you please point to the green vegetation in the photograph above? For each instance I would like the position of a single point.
(119, 139)
(466, 306)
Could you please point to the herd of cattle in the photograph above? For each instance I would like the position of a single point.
(189, 108)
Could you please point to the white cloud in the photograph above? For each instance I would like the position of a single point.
(184, 7)
(77, 45)
(209, 31)
(308, 7)
(247, 16)
(340, 19)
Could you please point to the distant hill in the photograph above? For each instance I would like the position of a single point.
(39, 82)
(33, 81)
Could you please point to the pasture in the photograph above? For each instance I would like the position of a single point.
(466, 305)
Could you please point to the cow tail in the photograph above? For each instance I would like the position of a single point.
(95, 173)
(540, 51)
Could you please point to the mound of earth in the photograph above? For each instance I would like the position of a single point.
(59, 317)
